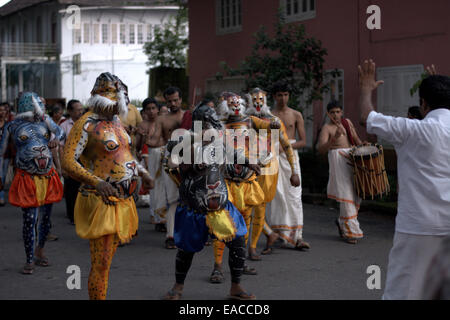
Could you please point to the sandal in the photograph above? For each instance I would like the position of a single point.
(267, 251)
(173, 295)
(170, 243)
(216, 276)
(42, 262)
(28, 269)
(242, 296)
(250, 271)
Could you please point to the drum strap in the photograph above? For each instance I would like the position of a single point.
(349, 132)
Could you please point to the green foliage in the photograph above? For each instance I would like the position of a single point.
(416, 86)
(290, 56)
(170, 42)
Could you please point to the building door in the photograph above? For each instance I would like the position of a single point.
(394, 96)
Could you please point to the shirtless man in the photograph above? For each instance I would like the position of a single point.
(285, 212)
(165, 125)
(337, 138)
(147, 127)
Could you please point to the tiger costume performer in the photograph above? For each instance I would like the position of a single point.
(257, 107)
(98, 154)
(36, 184)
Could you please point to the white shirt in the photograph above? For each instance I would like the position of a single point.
(423, 151)
(66, 126)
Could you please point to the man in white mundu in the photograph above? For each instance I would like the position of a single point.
(284, 215)
(337, 138)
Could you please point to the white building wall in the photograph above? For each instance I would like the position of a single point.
(127, 61)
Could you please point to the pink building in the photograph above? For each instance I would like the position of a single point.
(414, 34)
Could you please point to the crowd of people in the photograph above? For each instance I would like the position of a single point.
(109, 157)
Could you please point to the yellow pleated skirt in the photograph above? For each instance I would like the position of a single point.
(94, 218)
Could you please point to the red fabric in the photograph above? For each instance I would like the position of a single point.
(186, 123)
(144, 149)
(349, 132)
(23, 190)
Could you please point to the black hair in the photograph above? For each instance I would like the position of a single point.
(148, 101)
(435, 91)
(414, 111)
(333, 104)
(171, 90)
(71, 103)
(54, 109)
(280, 86)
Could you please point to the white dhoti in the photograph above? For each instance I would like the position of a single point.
(409, 260)
(284, 214)
(341, 188)
(165, 192)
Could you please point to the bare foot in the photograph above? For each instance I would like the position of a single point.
(175, 293)
(270, 241)
(252, 255)
(238, 293)
(272, 238)
(39, 258)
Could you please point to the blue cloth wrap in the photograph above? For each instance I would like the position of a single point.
(191, 231)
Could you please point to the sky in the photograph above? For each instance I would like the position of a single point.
(3, 2)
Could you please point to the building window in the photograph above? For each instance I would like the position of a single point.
(114, 33)
(123, 38)
(76, 64)
(96, 30)
(149, 32)
(140, 34)
(105, 33)
(132, 34)
(24, 31)
(86, 33)
(228, 16)
(77, 36)
(299, 10)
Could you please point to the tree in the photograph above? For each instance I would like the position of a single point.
(170, 42)
(290, 56)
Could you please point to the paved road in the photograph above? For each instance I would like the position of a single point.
(332, 269)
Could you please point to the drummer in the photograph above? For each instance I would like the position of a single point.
(337, 138)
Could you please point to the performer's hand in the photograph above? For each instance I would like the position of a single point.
(106, 190)
(275, 124)
(53, 144)
(367, 76)
(295, 180)
(255, 168)
(431, 70)
(147, 182)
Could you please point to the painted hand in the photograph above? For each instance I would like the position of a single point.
(106, 190)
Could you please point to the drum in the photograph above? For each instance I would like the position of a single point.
(369, 171)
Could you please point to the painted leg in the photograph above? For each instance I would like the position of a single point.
(102, 252)
(30, 216)
(257, 228)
